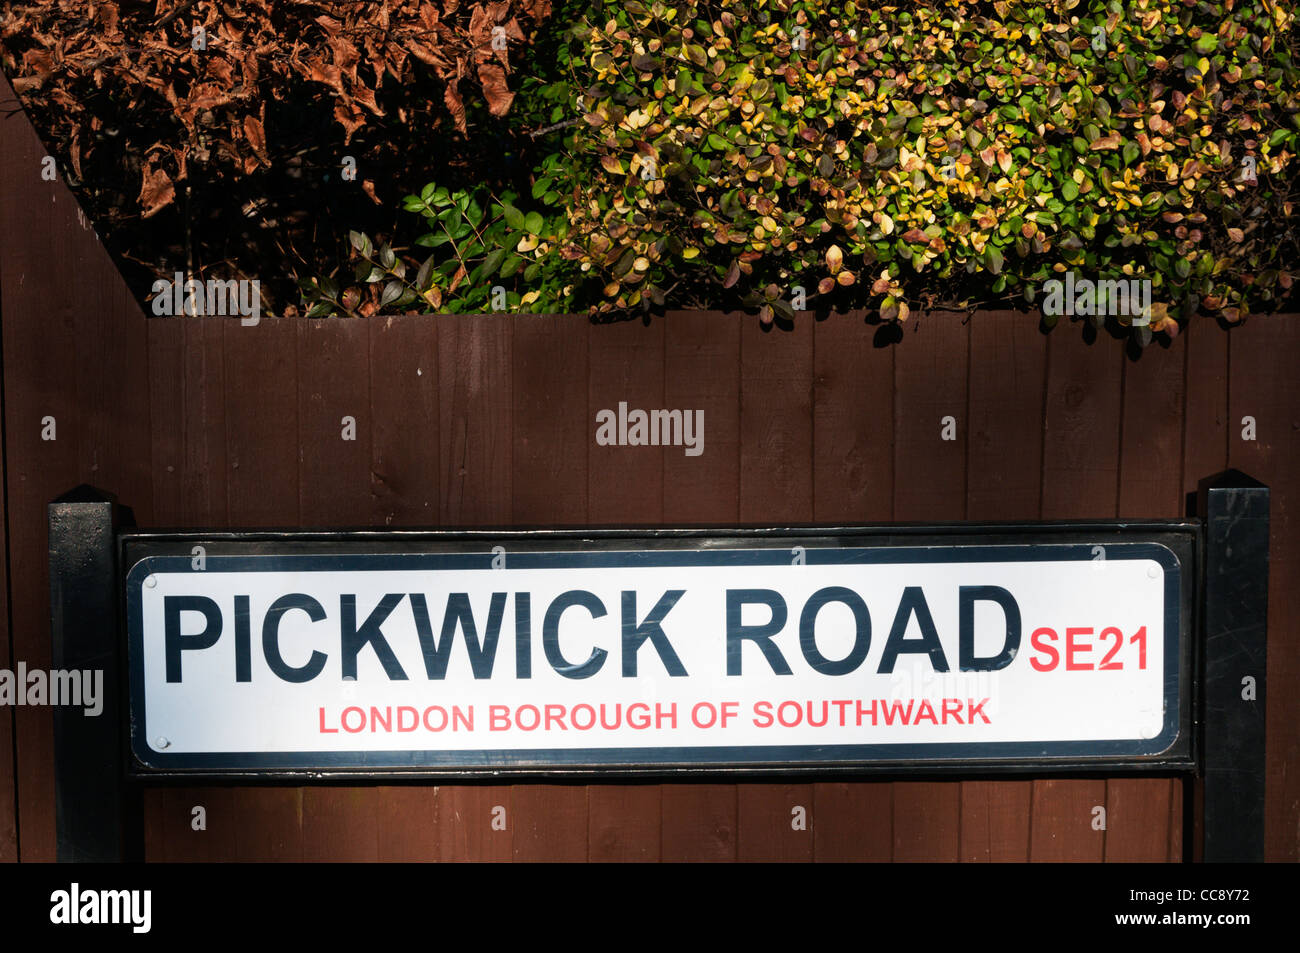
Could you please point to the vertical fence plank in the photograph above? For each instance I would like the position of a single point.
(475, 823)
(187, 419)
(407, 823)
(776, 822)
(1008, 371)
(1265, 389)
(931, 433)
(702, 372)
(776, 487)
(853, 822)
(624, 822)
(475, 433)
(262, 441)
(626, 487)
(404, 492)
(404, 422)
(552, 439)
(338, 823)
(1080, 481)
(699, 822)
(475, 407)
(853, 482)
(1138, 822)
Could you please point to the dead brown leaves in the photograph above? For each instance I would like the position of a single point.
(58, 53)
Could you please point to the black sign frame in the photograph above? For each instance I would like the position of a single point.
(1220, 757)
(1173, 543)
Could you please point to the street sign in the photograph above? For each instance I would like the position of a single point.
(662, 652)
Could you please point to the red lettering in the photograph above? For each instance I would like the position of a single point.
(498, 718)
(709, 709)
(952, 706)
(1050, 651)
(415, 718)
(555, 713)
(762, 714)
(519, 717)
(638, 722)
(361, 725)
(442, 713)
(895, 710)
(323, 729)
(781, 715)
(926, 710)
(589, 724)
(670, 715)
(973, 709)
(1071, 649)
(869, 711)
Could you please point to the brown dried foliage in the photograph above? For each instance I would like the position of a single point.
(211, 103)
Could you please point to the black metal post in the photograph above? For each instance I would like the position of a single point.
(1230, 791)
(97, 818)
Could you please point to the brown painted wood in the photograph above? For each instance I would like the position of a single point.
(263, 419)
(1063, 815)
(1008, 374)
(550, 822)
(776, 424)
(702, 372)
(475, 410)
(403, 491)
(1081, 442)
(553, 437)
(626, 487)
(552, 433)
(340, 824)
(927, 821)
(407, 823)
(334, 484)
(1081, 438)
(1139, 826)
(767, 822)
(995, 819)
(1264, 386)
(187, 423)
(624, 822)
(776, 487)
(1138, 819)
(930, 384)
(625, 484)
(853, 482)
(699, 822)
(475, 433)
(853, 423)
(404, 422)
(467, 819)
(854, 822)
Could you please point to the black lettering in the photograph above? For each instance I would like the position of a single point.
(760, 635)
(271, 638)
(913, 601)
(634, 635)
(967, 598)
(551, 634)
(174, 643)
(808, 631)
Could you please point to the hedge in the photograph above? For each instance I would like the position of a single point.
(790, 154)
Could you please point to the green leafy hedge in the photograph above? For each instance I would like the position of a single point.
(789, 154)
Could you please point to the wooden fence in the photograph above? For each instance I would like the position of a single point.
(490, 421)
